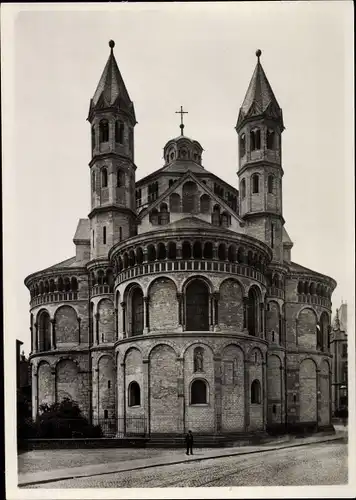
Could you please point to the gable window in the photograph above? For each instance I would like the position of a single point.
(104, 131)
(255, 183)
(205, 204)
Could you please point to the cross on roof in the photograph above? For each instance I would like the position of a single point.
(181, 112)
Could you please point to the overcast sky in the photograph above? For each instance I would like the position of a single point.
(201, 56)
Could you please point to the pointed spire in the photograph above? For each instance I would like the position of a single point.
(111, 90)
(337, 321)
(259, 99)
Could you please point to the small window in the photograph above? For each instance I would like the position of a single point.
(274, 409)
(106, 414)
(104, 177)
(134, 394)
(93, 238)
(171, 182)
(120, 233)
(104, 235)
(242, 145)
(131, 140)
(119, 132)
(270, 184)
(271, 143)
(294, 398)
(255, 139)
(93, 137)
(243, 188)
(255, 183)
(109, 384)
(104, 131)
(120, 178)
(256, 392)
(198, 392)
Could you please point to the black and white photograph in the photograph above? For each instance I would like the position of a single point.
(179, 251)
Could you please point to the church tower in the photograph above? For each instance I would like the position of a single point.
(112, 168)
(259, 127)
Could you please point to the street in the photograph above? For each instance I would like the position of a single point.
(315, 464)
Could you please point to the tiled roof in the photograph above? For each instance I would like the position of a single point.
(65, 263)
(183, 166)
(259, 98)
(190, 222)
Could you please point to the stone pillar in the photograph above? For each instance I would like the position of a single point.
(283, 403)
(181, 400)
(34, 393)
(211, 312)
(330, 397)
(245, 306)
(116, 324)
(318, 396)
(123, 315)
(97, 328)
(53, 334)
(146, 394)
(180, 312)
(216, 311)
(146, 312)
(264, 393)
(215, 251)
(179, 249)
(145, 254)
(79, 330)
(262, 317)
(218, 398)
(120, 387)
(247, 393)
(37, 340)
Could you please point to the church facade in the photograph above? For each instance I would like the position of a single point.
(182, 308)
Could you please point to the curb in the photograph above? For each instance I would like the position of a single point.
(78, 476)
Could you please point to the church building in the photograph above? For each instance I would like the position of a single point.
(182, 307)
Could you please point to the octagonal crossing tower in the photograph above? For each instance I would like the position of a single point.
(112, 119)
(259, 127)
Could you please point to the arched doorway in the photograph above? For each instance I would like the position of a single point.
(197, 306)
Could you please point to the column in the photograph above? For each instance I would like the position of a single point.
(217, 387)
(215, 251)
(180, 315)
(262, 314)
(330, 398)
(245, 305)
(37, 340)
(146, 314)
(116, 324)
(211, 312)
(216, 311)
(97, 328)
(181, 400)
(123, 310)
(282, 409)
(79, 330)
(145, 253)
(318, 396)
(179, 249)
(146, 394)
(120, 387)
(53, 334)
(247, 394)
(264, 394)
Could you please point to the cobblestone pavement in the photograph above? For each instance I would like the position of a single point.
(318, 464)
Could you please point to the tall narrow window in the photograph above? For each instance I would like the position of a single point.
(120, 178)
(131, 145)
(270, 139)
(120, 233)
(255, 183)
(272, 235)
(134, 394)
(270, 184)
(93, 137)
(106, 414)
(256, 392)
(104, 235)
(243, 188)
(242, 145)
(119, 132)
(104, 131)
(255, 139)
(93, 239)
(93, 181)
(104, 177)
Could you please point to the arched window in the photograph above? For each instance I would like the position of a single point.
(161, 251)
(60, 285)
(197, 250)
(197, 306)
(255, 139)
(93, 137)
(154, 216)
(137, 311)
(208, 250)
(255, 183)
(190, 197)
(104, 235)
(164, 215)
(119, 132)
(66, 284)
(242, 145)
(243, 188)
(104, 131)
(271, 139)
(174, 202)
(104, 177)
(231, 253)
(222, 251)
(252, 312)
(256, 392)
(240, 255)
(151, 253)
(198, 392)
(172, 250)
(74, 284)
(120, 178)
(134, 394)
(139, 255)
(132, 258)
(270, 184)
(186, 250)
(44, 332)
(205, 204)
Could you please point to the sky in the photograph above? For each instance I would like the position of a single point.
(201, 56)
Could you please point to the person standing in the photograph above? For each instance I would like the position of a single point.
(189, 442)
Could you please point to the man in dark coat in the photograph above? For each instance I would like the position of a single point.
(189, 442)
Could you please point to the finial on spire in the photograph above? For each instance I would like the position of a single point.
(258, 54)
(181, 112)
(111, 45)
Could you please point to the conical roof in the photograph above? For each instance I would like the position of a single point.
(259, 99)
(111, 90)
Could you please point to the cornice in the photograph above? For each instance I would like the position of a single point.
(55, 272)
(112, 154)
(111, 208)
(259, 163)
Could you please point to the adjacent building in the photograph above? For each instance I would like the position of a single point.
(338, 348)
(182, 307)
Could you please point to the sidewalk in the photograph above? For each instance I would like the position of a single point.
(167, 457)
